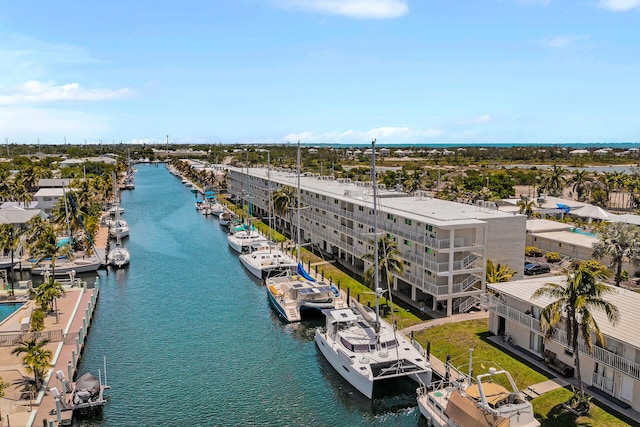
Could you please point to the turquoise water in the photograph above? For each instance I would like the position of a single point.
(191, 340)
(8, 308)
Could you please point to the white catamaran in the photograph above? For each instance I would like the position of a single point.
(365, 349)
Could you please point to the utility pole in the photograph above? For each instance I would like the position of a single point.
(6, 140)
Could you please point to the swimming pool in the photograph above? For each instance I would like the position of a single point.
(8, 308)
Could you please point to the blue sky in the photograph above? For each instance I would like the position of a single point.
(320, 71)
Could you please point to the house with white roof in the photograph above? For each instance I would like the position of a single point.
(612, 367)
(47, 198)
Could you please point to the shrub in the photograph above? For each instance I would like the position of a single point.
(552, 257)
(532, 251)
(624, 276)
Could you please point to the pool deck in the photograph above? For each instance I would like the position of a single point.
(75, 308)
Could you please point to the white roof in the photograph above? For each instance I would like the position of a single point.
(16, 215)
(592, 211)
(568, 237)
(627, 302)
(545, 225)
(50, 192)
(441, 213)
(628, 218)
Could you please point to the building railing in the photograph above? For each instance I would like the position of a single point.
(603, 383)
(599, 354)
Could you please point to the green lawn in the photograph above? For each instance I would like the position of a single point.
(456, 339)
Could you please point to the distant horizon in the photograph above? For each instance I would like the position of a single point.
(340, 72)
(347, 145)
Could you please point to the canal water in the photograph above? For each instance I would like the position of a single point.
(190, 339)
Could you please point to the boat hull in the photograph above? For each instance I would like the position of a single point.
(343, 365)
(64, 269)
(263, 273)
(277, 306)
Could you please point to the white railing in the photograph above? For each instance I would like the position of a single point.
(599, 354)
(603, 383)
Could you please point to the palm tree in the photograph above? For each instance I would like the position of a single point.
(580, 181)
(389, 262)
(9, 240)
(526, 206)
(498, 273)
(44, 245)
(36, 358)
(573, 308)
(284, 200)
(621, 242)
(47, 293)
(555, 181)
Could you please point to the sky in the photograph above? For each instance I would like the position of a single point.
(320, 71)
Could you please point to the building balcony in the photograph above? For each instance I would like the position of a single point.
(601, 355)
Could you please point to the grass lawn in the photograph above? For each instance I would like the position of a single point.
(456, 339)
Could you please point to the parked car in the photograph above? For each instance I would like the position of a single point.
(532, 269)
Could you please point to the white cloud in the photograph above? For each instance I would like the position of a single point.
(361, 9)
(619, 5)
(564, 40)
(36, 92)
(31, 123)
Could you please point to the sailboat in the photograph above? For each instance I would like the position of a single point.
(483, 403)
(363, 348)
(118, 227)
(118, 256)
(296, 296)
(264, 258)
(242, 237)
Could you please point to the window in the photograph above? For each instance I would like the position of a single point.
(324, 198)
(361, 208)
(407, 221)
(335, 201)
(429, 227)
(428, 250)
(407, 242)
(407, 263)
(390, 216)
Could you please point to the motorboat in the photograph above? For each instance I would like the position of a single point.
(216, 208)
(225, 218)
(115, 209)
(362, 347)
(485, 402)
(241, 240)
(265, 259)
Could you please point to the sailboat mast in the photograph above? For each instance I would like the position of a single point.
(269, 195)
(298, 205)
(66, 212)
(375, 233)
(248, 195)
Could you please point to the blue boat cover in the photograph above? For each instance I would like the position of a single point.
(304, 273)
(209, 192)
(565, 208)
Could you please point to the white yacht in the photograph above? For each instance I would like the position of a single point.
(119, 229)
(363, 348)
(225, 218)
(366, 352)
(241, 240)
(265, 259)
(118, 256)
(65, 266)
(483, 403)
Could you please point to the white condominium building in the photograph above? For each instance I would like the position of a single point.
(444, 245)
